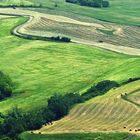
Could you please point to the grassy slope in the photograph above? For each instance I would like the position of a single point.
(121, 11)
(40, 68)
(109, 112)
(77, 136)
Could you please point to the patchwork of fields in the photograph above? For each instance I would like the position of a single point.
(105, 113)
(39, 69)
(98, 33)
(121, 11)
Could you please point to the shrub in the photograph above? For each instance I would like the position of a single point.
(131, 80)
(100, 89)
(90, 3)
(5, 86)
(60, 105)
(105, 4)
(72, 1)
(58, 38)
(65, 39)
(17, 121)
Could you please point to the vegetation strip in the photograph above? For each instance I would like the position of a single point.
(16, 121)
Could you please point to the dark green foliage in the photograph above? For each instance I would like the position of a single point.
(63, 39)
(5, 86)
(131, 80)
(13, 123)
(100, 89)
(91, 3)
(17, 121)
(72, 1)
(105, 4)
(60, 105)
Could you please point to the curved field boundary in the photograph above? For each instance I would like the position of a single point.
(104, 113)
(119, 49)
(33, 16)
(16, 31)
(125, 97)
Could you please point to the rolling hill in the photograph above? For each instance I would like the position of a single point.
(121, 11)
(39, 69)
(111, 112)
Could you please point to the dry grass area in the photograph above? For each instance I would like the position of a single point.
(107, 32)
(135, 97)
(111, 36)
(109, 112)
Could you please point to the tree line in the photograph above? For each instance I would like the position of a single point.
(16, 121)
(91, 3)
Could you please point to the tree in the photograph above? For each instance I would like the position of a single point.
(5, 86)
(105, 4)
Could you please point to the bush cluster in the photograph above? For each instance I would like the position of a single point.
(34, 37)
(5, 86)
(131, 80)
(100, 89)
(91, 3)
(63, 39)
(21, 5)
(17, 121)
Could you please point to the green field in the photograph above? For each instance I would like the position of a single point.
(80, 136)
(121, 11)
(41, 68)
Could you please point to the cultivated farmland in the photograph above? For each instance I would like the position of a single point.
(105, 45)
(101, 34)
(78, 67)
(106, 113)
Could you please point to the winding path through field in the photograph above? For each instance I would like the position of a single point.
(21, 30)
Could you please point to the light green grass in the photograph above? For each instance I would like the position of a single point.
(41, 68)
(77, 136)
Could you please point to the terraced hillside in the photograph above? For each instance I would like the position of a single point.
(110, 112)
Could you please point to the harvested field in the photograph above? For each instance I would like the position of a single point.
(42, 68)
(107, 32)
(111, 36)
(109, 112)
